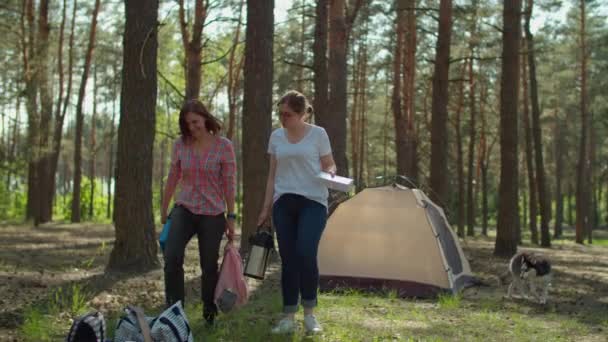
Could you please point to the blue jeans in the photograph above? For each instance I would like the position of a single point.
(299, 223)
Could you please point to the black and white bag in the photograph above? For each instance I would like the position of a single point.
(90, 327)
(170, 326)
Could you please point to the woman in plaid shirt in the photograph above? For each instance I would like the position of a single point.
(203, 163)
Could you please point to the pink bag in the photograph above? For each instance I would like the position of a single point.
(231, 288)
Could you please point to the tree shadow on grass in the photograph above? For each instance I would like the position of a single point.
(579, 289)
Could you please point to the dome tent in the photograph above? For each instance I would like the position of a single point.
(392, 237)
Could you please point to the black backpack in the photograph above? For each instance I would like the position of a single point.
(90, 327)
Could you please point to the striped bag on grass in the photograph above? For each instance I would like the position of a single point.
(170, 326)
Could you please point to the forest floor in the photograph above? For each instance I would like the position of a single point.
(51, 273)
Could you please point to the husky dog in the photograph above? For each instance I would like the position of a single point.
(529, 270)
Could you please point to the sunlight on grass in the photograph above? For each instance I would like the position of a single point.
(354, 315)
(449, 301)
(73, 300)
(36, 326)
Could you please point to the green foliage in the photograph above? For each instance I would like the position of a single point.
(449, 301)
(37, 326)
(43, 321)
(63, 202)
(12, 204)
(72, 299)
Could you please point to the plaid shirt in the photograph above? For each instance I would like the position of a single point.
(207, 179)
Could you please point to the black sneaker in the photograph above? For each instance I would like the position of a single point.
(209, 318)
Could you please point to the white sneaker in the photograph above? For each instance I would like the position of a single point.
(285, 326)
(311, 324)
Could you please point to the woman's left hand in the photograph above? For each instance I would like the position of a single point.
(230, 229)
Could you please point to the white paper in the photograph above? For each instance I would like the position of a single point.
(336, 182)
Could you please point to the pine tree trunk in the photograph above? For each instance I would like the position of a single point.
(354, 118)
(571, 209)
(257, 106)
(62, 106)
(58, 124)
(582, 217)
(302, 50)
(92, 148)
(543, 197)
(338, 47)
(483, 166)
(76, 214)
(45, 194)
(362, 182)
(31, 105)
(111, 143)
(439, 131)
(397, 107)
(459, 155)
(472, 129)
(135, 247)
(559, 166)
(321, 80)
(529, 156)
(409, 92)
(471, 168)
(508, 214)
(589, 183)
(193, 48)
(234, 72)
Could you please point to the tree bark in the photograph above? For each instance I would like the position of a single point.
(76, 214)
(92, 148)
(62, 106)
(459, 155)
(31, 104)
(257, 106)
(321, 80)
(135, 247)
(58, 124)
(193, 48)
(559, 174)
(409, 92)
(439, 131)
(483, 165)
(591, 197)
(234, 73)
(111, 149)
(355, 129)
(529, 157)
(543, 196)
(398, 115)
(44, 193)
(582, 212)
(336, 120)
(508, 214)
(472, 128)
(571, 193)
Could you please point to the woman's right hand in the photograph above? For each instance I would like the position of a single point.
(264, 214)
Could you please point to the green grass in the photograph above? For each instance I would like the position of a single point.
(346, 316)
(351, 315)
(46, 321)
(449, 301)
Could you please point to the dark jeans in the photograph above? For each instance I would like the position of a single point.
(299, 223)
(209, 231)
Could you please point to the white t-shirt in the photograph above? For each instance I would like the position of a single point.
(299, 164)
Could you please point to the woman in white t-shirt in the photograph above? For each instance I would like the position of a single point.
(298, 201)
